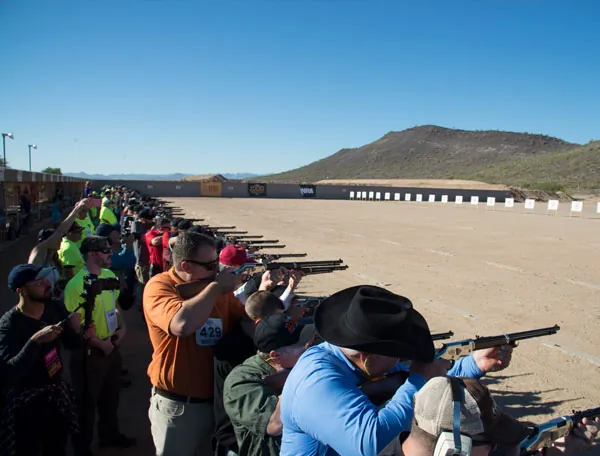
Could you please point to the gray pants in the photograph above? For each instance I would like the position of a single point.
(179, 428)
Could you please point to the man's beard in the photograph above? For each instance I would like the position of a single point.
(41, 297)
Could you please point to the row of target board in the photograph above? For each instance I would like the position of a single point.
(576, 206)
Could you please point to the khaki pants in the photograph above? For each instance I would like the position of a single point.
(179, 428)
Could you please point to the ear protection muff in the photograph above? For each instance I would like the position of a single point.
(454, 443)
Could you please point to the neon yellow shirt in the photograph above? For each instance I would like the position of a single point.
(70, 256)
(88, 228)
(107, 216)
(105, 302)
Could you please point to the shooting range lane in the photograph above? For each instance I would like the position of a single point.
(503, 274)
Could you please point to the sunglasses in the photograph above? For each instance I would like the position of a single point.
(209, 265)
(105, 250)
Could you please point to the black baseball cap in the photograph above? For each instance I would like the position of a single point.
(104, 229)
(23, 274)
(74, 228)
(145, 214)
(185, 224)
(280, 330)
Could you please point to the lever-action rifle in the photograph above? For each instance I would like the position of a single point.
(221, 233)
(253, 242)
(543, 435)
(261, 246)
(244, 236)
(218, 228)
(276, 256)
(453, 351)
(303, 264)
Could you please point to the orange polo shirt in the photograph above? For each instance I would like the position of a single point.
(184, 365)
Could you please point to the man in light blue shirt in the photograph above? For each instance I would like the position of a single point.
(367, 330)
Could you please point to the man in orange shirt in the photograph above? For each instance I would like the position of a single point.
(183, 333)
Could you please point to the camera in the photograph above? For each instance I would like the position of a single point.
(93, 285)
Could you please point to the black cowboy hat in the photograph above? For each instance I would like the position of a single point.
(374, 320)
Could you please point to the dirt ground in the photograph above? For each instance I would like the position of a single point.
(471, 270)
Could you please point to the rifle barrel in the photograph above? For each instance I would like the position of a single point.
(278, 246)
(246, 236)
(507, 339)
(442, 336)
(301, 264)
(266, 241)
(310, 270)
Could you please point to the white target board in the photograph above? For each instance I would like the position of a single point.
(598, 208)
(553, 205)
(364, 195)
(396, 196)
(378, 196)
(351, 195)
(387, 196)
(419, 197)
(371, 195)
(529, 203)
(150, 186)
(407, 197)
(576, 206)
(459, 199)
(491, 201)
(474, 200)
(509, 202)
(444, 198)
(432, 198)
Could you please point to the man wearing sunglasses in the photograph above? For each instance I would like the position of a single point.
(100, 388)
(183, 330)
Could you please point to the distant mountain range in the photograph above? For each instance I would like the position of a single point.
(157, 177)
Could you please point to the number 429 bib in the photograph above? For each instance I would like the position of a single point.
(210, 333)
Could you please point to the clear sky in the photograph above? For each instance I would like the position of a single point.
(199, 86)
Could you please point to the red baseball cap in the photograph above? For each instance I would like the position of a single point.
(234, 256)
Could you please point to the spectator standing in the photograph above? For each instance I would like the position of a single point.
(39, 412)
(97, 378)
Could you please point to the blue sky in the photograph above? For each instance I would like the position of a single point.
(263, 86)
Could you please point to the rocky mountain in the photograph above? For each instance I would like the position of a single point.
(432, 152)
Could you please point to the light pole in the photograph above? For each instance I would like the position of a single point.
(4, 135)
(30, 146)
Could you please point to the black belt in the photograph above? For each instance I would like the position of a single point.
(180, 398)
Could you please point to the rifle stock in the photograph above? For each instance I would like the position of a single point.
(542, 435)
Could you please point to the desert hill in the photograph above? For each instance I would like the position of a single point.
(432, 152)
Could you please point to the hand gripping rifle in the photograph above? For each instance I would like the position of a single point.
(453, 351)
(377, 390)
(542, 435)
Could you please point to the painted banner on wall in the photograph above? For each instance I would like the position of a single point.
(257, 189)
(308, 191)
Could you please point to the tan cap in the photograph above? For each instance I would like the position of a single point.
(480, 416)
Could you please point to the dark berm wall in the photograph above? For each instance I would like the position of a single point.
(241, 190)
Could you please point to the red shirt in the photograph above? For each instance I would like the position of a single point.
(166, 251)
(154, 250)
